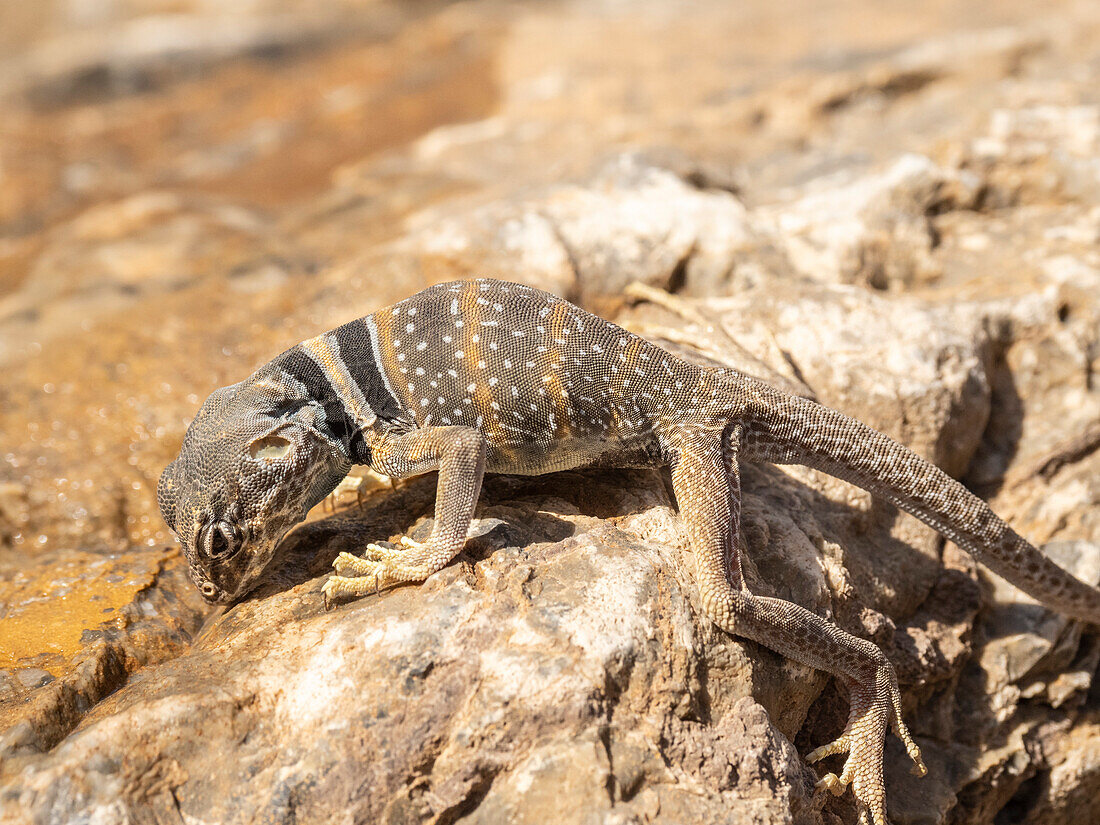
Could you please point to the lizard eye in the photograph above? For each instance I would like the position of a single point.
(222, 540)
(219, 545)
(271, 447)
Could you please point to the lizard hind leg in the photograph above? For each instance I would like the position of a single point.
(704, 477)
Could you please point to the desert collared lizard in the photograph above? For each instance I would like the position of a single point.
(487, 376)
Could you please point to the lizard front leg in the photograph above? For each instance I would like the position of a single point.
(458, 453)
(704, 477)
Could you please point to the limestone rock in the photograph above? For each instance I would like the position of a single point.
(74, 630)
(630, 221)
(115, 255)
(1072, 790)
(504, 689)
(1041, 151)
(874, 230)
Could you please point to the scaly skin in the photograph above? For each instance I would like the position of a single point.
(486, 376)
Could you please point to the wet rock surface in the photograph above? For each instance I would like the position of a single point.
(892, 209)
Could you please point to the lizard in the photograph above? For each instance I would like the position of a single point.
(479, 376)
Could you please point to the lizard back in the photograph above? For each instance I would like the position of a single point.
(551, 386)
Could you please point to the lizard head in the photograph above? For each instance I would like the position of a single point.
(253, 462)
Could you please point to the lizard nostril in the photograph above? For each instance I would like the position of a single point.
(209, 590)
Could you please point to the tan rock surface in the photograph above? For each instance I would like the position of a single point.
(893, 208)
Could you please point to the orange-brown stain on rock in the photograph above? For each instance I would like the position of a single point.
(197, 250)
(45, 610)
(261, 131)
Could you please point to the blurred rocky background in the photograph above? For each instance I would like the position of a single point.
(891, 206)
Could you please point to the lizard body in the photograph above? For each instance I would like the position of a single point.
(477, 376)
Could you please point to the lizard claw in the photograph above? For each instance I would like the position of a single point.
(328, 594)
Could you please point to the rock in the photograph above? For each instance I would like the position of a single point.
(74, 631)
(1072, 791)
(875, 230)
(32, 677)
(630, 221)
(116, 255)
(1041, 152)
(483, 690)
(898, 219)
(103, 50)
(871, 83)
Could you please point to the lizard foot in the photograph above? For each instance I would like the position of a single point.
(876, 706)
(338, 587)
(380, 568)
(348, 565)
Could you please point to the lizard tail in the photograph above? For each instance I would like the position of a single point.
(793, 430)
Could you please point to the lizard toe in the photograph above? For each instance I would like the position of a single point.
(839, 745)
(349, 566)
(832, 783)
(340, 588)
(379, 553)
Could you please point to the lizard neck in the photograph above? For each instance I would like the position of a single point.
(295, 379)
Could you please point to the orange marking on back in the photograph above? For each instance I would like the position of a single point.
(383, 323)
(557, 322)
(471, 313)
